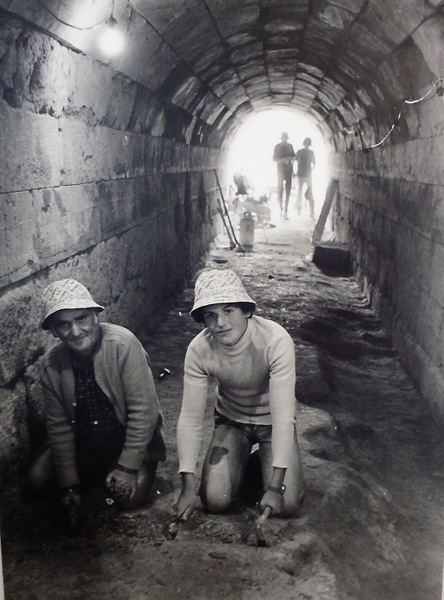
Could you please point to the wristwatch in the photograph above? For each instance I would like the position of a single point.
(278, 489)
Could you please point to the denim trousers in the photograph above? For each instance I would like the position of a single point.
(226, 462)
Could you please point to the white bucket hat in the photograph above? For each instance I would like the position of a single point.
(218, 286)
(66, 294)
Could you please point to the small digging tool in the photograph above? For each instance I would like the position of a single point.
(171, 530)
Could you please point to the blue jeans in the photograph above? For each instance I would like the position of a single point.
(226, 461)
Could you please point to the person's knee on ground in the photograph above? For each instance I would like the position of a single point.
(293, 500)
(217, 492)
(224, 467)
(216, 498)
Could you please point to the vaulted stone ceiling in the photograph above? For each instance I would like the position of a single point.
(338, 61)
(326, 58)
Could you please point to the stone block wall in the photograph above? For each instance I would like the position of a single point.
(92, 186)
(391, 211)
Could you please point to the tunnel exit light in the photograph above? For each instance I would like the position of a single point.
(250, 150)
(111, 41)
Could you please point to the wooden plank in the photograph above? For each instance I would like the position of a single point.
(329, 197)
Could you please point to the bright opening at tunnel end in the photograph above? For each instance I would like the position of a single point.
(251, 149)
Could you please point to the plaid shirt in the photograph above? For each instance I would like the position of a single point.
(99, 434)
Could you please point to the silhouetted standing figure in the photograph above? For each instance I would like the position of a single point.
(306, 162)
(284, 156)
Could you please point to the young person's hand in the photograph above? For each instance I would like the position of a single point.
(187, 501)
(274, 494)
(274, 500)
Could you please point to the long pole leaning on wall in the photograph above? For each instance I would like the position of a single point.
(223, 211)
(227, 229)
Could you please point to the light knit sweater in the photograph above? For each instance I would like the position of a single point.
(256, 384)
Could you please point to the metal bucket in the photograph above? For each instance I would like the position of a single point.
(246, 231)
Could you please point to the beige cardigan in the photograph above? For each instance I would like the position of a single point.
(123, 372)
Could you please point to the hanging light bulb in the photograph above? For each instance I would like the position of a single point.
(111, 41)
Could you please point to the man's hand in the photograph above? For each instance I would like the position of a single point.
(123, 486)
(71, 497)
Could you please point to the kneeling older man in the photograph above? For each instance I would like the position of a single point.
(102, 411)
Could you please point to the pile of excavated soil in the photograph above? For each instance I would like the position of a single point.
(371, 527)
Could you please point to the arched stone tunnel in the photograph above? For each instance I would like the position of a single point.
(107, 169)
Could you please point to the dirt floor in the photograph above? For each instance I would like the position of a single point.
(371, 527)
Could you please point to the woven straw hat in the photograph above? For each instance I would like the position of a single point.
(219, 287)
(66, 294)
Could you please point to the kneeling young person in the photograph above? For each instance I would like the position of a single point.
(252, 360)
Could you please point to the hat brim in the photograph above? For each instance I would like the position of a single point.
(69, 306)
(241, 299)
